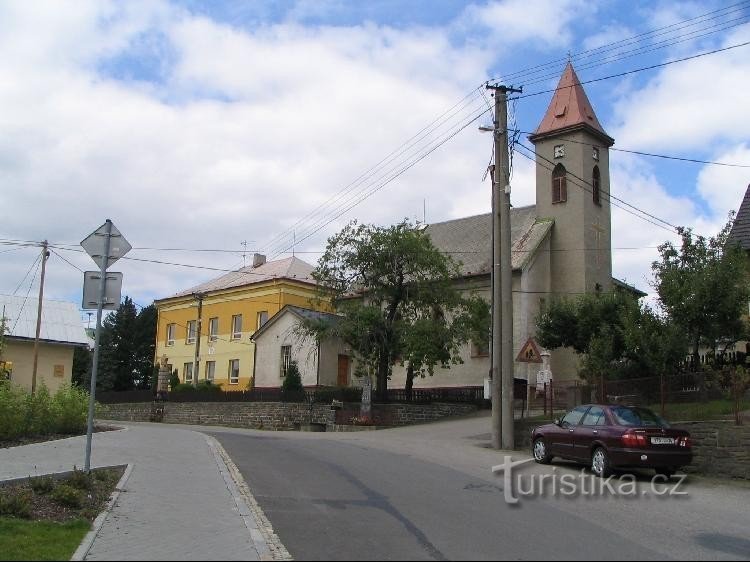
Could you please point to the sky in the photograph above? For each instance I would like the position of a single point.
(237, 126)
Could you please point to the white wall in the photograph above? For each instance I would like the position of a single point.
(268, 353)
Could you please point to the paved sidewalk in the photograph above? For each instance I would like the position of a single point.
(176, 505)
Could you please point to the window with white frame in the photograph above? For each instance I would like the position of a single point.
(210, 370)
(286, 358)
(237, 326)
(234, 371)
(170, 334)
(188, 372)
(262, 319)
(213, 329)
(190, 332)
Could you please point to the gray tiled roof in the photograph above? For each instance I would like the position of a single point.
(289, 268)
(469, 240)
(740, 233)
(60, 320)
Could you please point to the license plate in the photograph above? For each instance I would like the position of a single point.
(662, 441)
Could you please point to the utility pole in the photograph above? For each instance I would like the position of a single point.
(45, 257)
(502, 280)
(196, 360)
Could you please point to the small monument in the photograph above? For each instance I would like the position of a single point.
(365, 410)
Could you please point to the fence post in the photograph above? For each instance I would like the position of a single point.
(545, 400)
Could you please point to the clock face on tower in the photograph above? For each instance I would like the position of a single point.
(559, 151)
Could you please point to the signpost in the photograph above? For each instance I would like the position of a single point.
(105, 246)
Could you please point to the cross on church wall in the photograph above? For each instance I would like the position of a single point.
(598, 231)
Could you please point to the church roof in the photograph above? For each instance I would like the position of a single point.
(469, 240)
(740, 233)
(569, 110)
(290, 268)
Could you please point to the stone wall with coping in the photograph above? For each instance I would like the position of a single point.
(278, 415)
(720, 448)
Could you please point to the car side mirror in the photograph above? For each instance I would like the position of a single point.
(558, 422)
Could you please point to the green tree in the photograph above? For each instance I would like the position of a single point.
(394, 289)
(82, 358)
(292, 389)
(703, 288)
(127, 348)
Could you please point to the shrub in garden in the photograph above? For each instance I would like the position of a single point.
(79, 480)
(292, 389)
(13, 411)
(67, 495)
(40, 414)
(70, 406)
(15, 503)
(42, 484)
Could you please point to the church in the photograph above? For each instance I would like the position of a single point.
(561, 246)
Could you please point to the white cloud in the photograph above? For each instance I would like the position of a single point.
(515, 21)
(722, 187)
(688, 106)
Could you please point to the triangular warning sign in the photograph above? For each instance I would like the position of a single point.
(529, 353)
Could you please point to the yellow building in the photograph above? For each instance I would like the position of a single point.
(233, 307)
(61, 332)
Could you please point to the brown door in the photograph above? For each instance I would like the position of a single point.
(343, 379)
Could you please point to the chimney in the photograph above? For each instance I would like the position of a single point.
(258, 260)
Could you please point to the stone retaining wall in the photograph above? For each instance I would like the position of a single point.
(276, 415)
(720, 448)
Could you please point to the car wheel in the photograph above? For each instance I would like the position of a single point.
(541, 453)
(666, 472)
(600, 463)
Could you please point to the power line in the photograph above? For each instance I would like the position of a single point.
(26, 275)
(640, 153)
(584, 188)
(642, 69)
(38, 262)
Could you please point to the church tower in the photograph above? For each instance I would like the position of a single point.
(572, 187)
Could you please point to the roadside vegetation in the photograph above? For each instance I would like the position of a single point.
(43, 518)
(26, 417)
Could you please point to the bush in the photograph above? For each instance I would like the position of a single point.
(71, 407)
(42, 484)
(40, 415)
(292, 389)
(67, 495)
(13, 411)
(15, 503)
(79, 480)
(174, 380)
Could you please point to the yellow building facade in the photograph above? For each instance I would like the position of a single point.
(233, 307)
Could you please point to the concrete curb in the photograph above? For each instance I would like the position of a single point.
(88, 541)
(266, 542)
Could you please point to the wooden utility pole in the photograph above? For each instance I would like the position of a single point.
(502, 280)
(45, 256)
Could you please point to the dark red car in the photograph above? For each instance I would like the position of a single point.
(608, 437)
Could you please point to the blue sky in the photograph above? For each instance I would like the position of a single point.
(204, 124)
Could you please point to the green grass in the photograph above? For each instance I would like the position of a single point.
(40, 540)
(697, 411)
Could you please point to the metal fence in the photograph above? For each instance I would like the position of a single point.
(700, 394)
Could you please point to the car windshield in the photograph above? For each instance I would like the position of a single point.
(637, 417)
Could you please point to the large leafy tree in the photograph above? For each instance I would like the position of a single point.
(703, 288)
(615, 336)
(127, 348)
(397, 296)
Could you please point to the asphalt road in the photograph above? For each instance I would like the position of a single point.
(426, 494)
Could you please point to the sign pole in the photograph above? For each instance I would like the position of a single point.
(94, 368)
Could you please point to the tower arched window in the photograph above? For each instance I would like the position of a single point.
(559, 184)
(596, 182)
